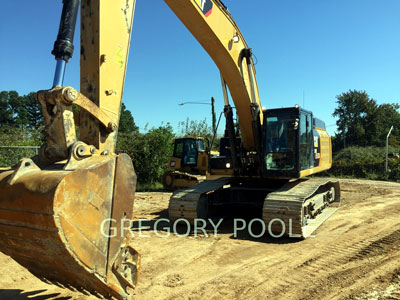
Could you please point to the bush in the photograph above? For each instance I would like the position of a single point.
(150, 152)
(11, 136)
(395, 172)
(362, 155)
(365, 162)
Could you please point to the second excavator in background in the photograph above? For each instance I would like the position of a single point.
(188, 164)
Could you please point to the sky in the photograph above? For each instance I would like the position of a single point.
(307, 53)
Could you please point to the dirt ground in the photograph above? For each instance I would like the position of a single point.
(354, 255)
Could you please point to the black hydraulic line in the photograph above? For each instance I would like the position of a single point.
(215, 132)
(232, 137)
(247, 53)
(63, 46)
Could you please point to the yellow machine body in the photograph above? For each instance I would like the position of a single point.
(324, 155)
(188, 164)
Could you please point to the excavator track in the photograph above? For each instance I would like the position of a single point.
(173, 180)
(299, 207)
(191, 203)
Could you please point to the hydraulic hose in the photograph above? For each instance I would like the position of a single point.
(63, 46)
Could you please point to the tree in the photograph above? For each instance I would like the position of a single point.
(355, 114)
(150, 152)
(14, 136)
(126, 121)
(33, 111)
(19, 111)
(361, 122)
(6, 117)
(387, 115)
(194, 128)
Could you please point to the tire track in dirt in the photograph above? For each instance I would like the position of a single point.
(333, 258)
(379, 247)
(350, 266)
(221, 279)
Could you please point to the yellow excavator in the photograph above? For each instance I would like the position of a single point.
(277, 149)
(59, 210)
(188, 164)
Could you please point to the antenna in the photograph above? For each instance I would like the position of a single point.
(304, 106)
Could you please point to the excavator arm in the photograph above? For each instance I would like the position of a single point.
(57, 209)
(211, 24)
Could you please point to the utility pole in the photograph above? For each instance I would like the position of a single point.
(214, 117)
(387, 148)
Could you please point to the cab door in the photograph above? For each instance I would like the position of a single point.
(305, 141)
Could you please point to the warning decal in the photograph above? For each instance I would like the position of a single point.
(205, 6)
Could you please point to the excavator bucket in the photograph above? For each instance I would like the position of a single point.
(65, 226)
(64, 215)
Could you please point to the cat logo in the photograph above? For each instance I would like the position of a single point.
(205, 6)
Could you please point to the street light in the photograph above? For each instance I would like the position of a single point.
(387, 148)
(206, 103)
(212, 103)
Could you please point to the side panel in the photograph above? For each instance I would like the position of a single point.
(175, 163)
(322, 153)
(202, 160)
(326, 149)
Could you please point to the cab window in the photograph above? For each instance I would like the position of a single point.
(280, 143)
(305, 141)
(178, 151)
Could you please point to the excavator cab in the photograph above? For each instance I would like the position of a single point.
(296, 144)
(187, 151)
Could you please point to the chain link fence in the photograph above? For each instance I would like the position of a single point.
(10, 155)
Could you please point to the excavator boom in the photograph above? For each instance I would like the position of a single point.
(57, 209)
(211, 24)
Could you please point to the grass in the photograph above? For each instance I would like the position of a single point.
(149, 187)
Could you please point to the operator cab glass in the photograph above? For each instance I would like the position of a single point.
(288, 142)
(200, 145)
(187, 150)
(280, 141)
